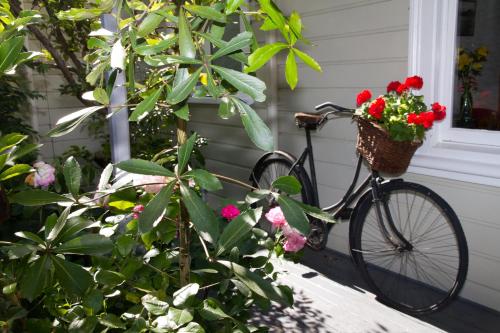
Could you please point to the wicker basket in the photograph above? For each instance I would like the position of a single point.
(382, 153)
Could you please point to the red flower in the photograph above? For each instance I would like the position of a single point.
(230, 212)
(427, 119)
(393, 86)
(377, 108)
(439, 111)
(363, 96)
(412, 118)
(402, 88)
(414, 82)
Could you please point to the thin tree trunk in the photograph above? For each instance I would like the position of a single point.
(184, 232)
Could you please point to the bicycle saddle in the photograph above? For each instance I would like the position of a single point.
(310, 120)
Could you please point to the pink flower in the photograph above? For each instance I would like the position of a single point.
(294, 241)
(276, 217)
(230, 212)
(151, 184)
(137, 210)
(43, 176)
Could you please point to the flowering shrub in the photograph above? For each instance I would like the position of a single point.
(400, 111)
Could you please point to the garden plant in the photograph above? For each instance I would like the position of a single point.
(144, 252)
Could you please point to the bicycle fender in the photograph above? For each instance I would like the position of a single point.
(352, 221)
(261, 160)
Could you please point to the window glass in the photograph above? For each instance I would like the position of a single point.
(477, 80)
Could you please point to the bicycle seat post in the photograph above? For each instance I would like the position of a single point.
(311, 165)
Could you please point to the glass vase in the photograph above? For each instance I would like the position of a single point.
(466, 120)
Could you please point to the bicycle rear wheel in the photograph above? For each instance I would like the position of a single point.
(420, 278)
(271, 169)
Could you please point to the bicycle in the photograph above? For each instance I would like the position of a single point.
(405, 239)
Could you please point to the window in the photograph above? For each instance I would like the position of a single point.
(470, 150)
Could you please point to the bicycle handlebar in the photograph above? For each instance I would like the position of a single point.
(333, 106)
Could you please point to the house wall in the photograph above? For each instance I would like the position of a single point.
(364, 44)
(360, 45)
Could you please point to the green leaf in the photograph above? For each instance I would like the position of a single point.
(149, 24)
(112, 321)
(211, 310)
(153, 305)
(186, 45)
(155, 209)
(73, 226)
(23, 151)
(3, 160)
(180, 317)
(262, 55)
(256, 129)
(291, 70)
(294, 214)
(183, 294)
(237, 43)
(226, 108)
(205, 179)
(10, 140)
(268, 7)
(79, 14)
(164, 60)
(94, 300)
(82, 325)
(72, 175)
(192, 327)
(288, 184)
(238, 56)
(295, 24)
(308, 60)
(184, 153)
(55, 231)
(143, 167)
(37, 198)
(30, 236)
(207, 12)
(144, 107)
(109, 278)
(68, 123)
(14, 171)
(148, 50)
(245, 83)
(184, 88)
(9, 53)
(18, 251)
(91, 244)
(36, 277)
(256, 283)
(201, 215)
(233, 5)
(125, 244)
(317, 213)
(9, 289)
(183, 112)
(256, 196)
(101, 96)
(238, 229)
(72, 277)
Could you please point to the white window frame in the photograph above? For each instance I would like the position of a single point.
(460, 154)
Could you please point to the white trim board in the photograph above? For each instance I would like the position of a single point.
(454, 153)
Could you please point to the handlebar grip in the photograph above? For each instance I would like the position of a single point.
(333, 106)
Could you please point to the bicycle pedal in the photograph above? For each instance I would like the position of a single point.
(344, 214)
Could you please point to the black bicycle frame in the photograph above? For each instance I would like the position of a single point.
(342, 207)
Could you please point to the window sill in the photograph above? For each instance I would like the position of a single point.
(458, 161)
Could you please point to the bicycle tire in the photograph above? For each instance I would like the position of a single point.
(276, 166)
(439, 277)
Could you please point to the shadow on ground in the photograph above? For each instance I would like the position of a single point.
(459, 317)
(304, 317)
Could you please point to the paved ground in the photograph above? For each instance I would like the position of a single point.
(331, 297)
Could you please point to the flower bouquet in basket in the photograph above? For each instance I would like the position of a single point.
(393, 126)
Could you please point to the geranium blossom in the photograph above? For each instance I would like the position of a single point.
(439, 111)
(363, 96)
(377, 108)
(402, 88)
(44, 175)
(276, 217)
(230, 212)
(393, 86)
(414, 82)
(294, 241)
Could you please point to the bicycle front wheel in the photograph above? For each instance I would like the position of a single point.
(271, 169)
(424, 276)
